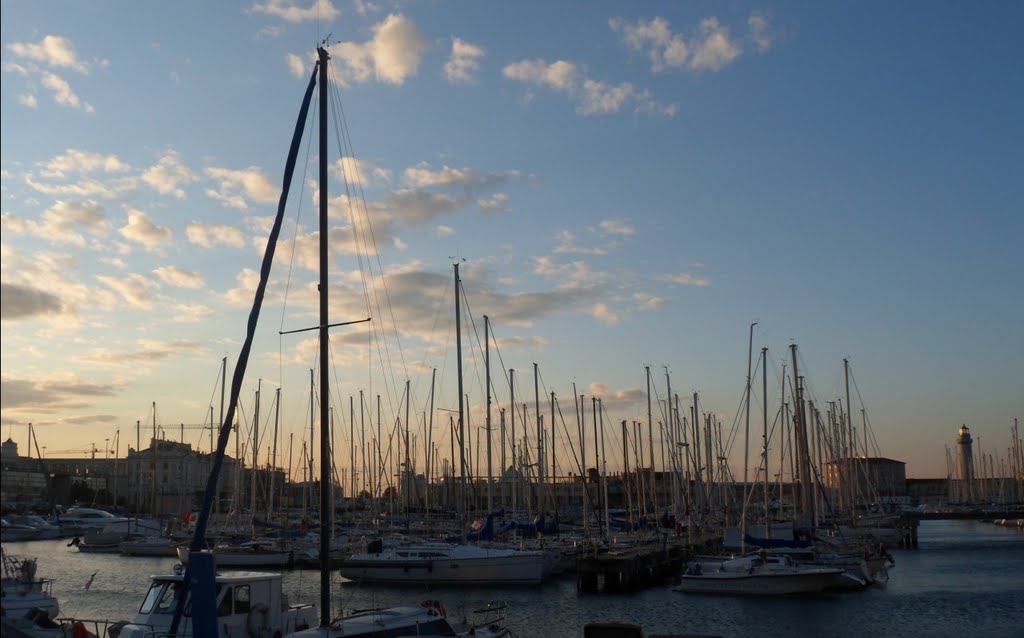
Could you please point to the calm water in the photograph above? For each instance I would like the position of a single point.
(966, 579)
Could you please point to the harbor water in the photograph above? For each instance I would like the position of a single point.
(965, 579)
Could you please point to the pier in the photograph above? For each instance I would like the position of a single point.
(630, 569)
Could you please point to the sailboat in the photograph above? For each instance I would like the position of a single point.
(200, 589)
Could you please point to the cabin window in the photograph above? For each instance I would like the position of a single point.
(242, 599)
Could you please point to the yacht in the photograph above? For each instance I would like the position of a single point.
(759, 575)
(22, 591)
(445, 563)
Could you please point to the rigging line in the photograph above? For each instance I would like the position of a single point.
(340, 113)
(340, 128)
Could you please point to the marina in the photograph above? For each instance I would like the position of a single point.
(387, 444)
(964, 578)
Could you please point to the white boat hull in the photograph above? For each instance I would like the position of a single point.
(498, 570)
(763, 584)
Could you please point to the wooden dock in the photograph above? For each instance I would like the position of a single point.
(630, 569)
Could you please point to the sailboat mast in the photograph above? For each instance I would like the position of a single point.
(487, 367)
(458, 363)
(325, 451)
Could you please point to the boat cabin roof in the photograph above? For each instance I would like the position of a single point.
(225, 577)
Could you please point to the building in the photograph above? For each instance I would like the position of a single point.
(965, 463)
(860, 480)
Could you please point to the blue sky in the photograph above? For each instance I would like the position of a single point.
(629, 184)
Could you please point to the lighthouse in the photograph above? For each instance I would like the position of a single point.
(966, 458)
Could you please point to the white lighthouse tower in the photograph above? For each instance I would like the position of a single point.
(966, 458)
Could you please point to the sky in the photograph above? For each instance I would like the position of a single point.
(624, 186)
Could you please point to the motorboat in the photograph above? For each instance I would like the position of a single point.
(247, 603)
(249, 554)
(22, 591)
(447, 563)
(77, 521)
(149, 546)
(427, 619)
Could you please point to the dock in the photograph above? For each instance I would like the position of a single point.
(630, 569)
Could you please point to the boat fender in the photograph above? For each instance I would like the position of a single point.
(436, 607)
(257, 622)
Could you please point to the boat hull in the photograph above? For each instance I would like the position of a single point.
(502, 570)
(763, 584)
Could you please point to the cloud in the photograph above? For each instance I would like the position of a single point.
(617, 226)
(61, 222)
(496, 204)
(364, 7)
(190, 313)
(210, 235)
(168, 174)
(571, 274)
(28, 100)
(686, 279)
(422, 175)
(360, 171)
(141, 230)
(604, 314)
(655, 38)
(761, 31)
(62, 92)
(561, 76)
(715, 50)
(149, 351)
(235, 185)
(391, 56)
(296, 65)
(567, 245)
(463, 62)
(618, 400)
(135, 289)
(76, 161)
(86, 188)
(648, 301)
(52, 395)
(710, 49)
(591, 97)
(22, 302)
(179, 277)
(443, 231)
(52, 50)
(320, 10)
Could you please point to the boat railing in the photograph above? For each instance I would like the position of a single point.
(98, 628)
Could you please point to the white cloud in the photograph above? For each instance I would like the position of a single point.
(715, 50)
(443, 231)
(134, 289)
(52, 50)
(422, 176)
(321, 10)
(761, 31)
(648, 301)
(86, 188)
(76, 161)
(236, 185)
(617, 226)
(604, 314)
(168, 174)
(209, 235)
(686, 279)
(655, 38)
(191, 313)
(62, 93)
(463, 62)
(359, 171)
(296, 65)
(28, 100)
(61, 222)
(364, 7)
(560, 76)
(141, 230)
(179, 277)
(498, 203)
(567, 245)
(591, 97)
(391, 56)
(571, 274)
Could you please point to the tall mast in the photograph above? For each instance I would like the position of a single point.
(458, 362)
(650, 442)
(540, 441)
(325, 396)
(487, 382)
(764, 452)
(746, 440)
(512, 416)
